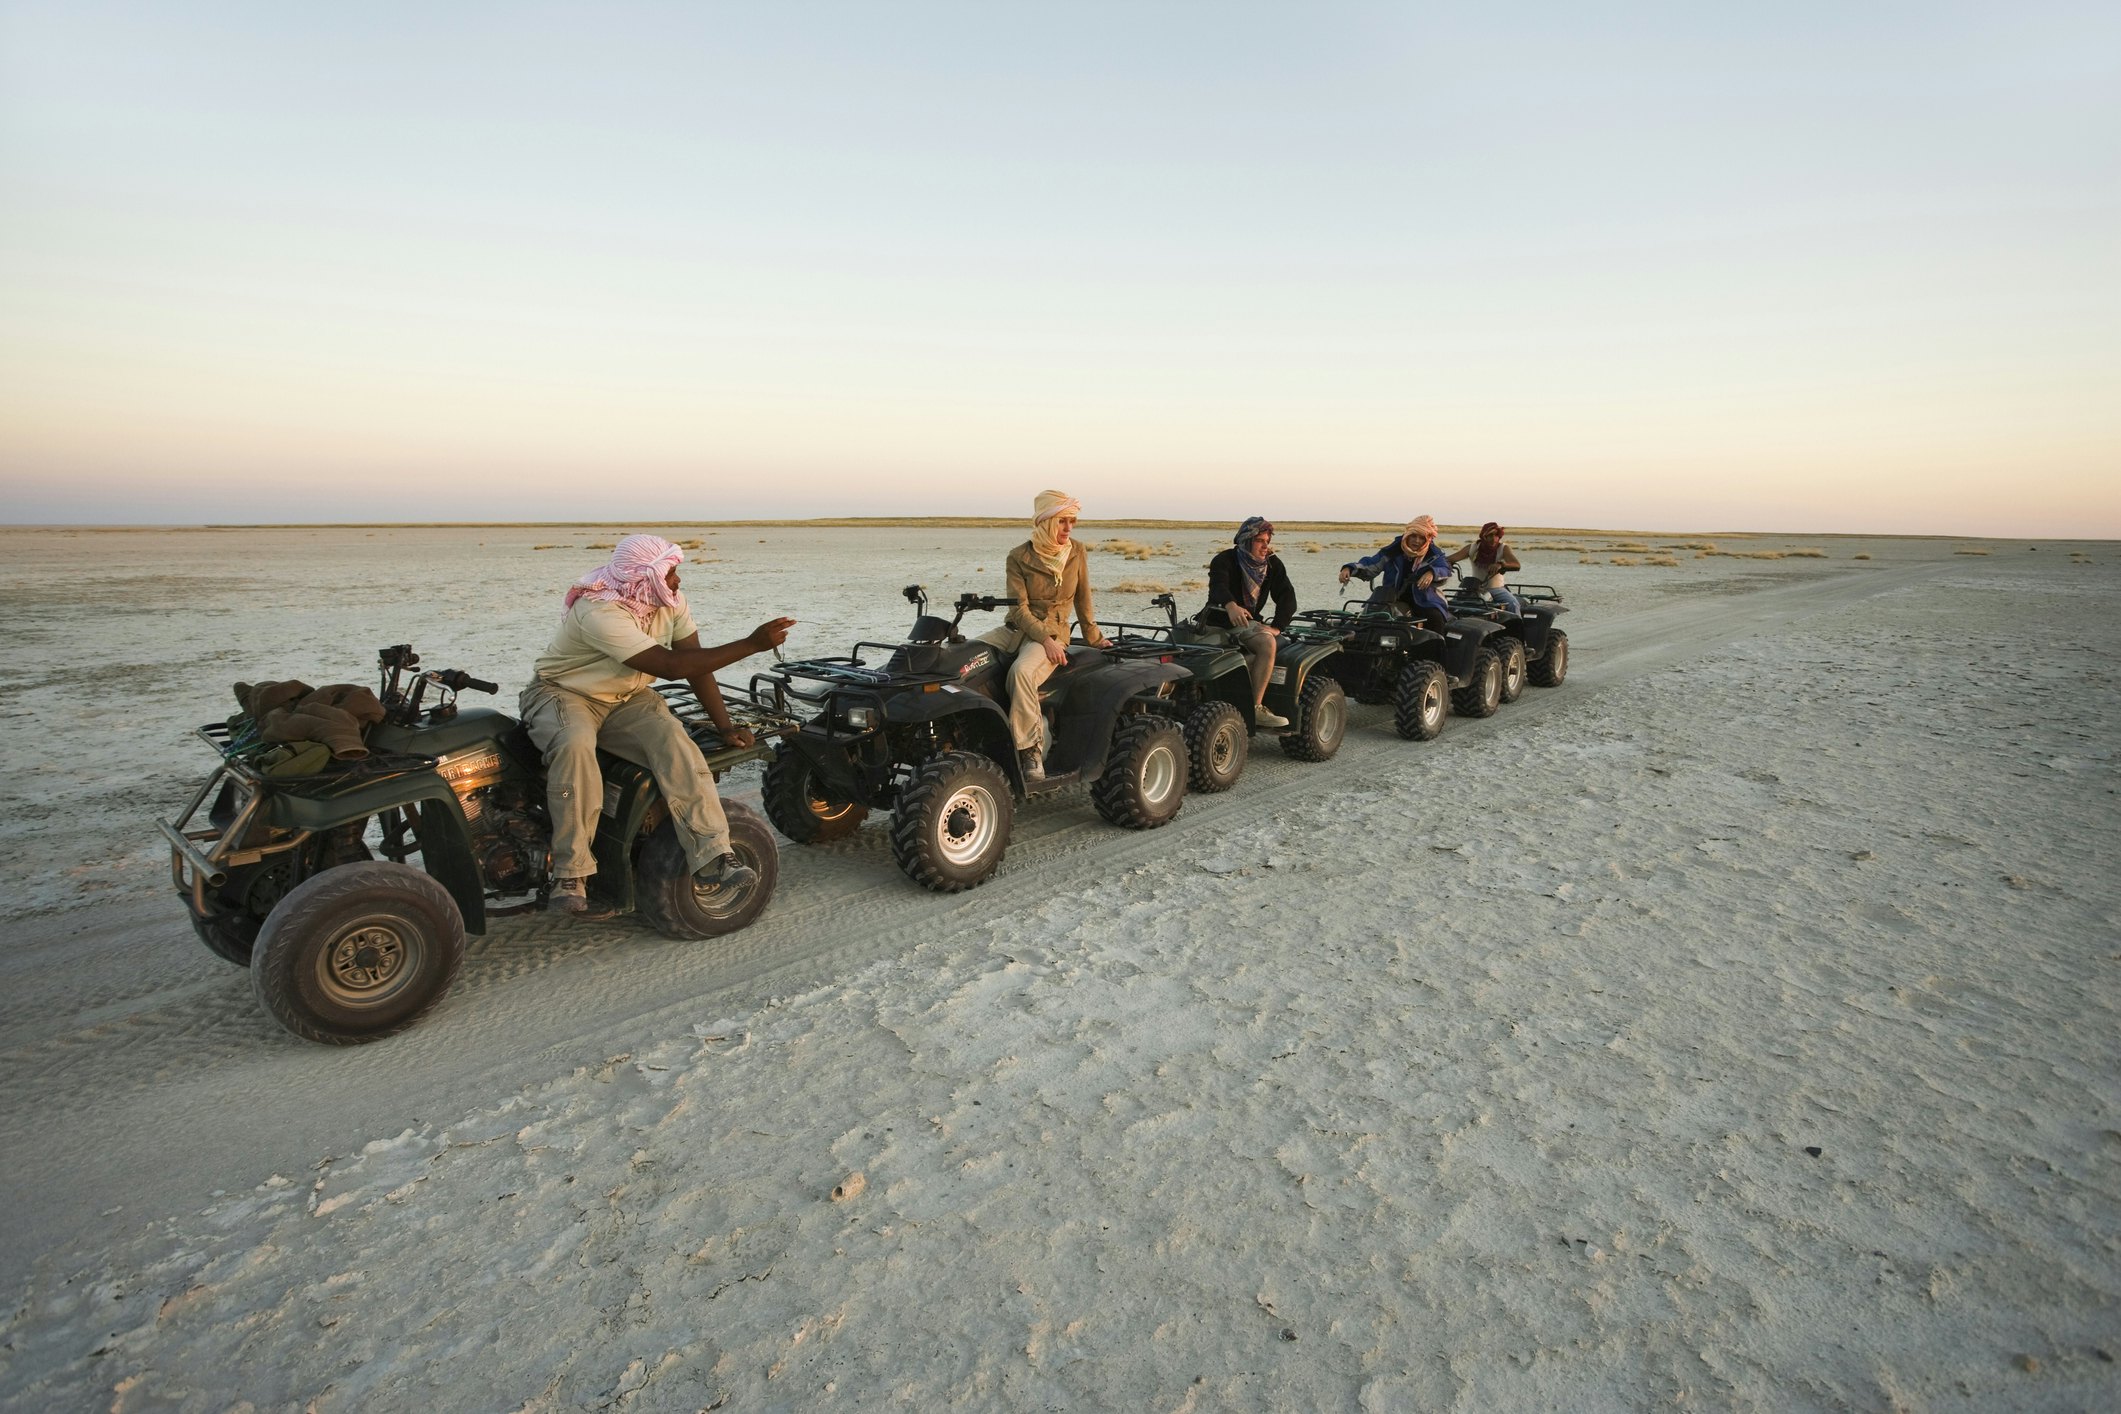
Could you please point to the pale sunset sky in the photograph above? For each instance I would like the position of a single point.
(1796, 266)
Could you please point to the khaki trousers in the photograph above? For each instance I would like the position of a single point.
(569, 728)
(1026, 676)
(1257, 645)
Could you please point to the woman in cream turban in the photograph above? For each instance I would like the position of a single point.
(1047, 574)
(1414, 567)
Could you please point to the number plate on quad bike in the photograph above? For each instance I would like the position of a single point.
(1278, 677)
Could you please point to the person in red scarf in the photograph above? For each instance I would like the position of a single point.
(1492, 558)
(625, 624)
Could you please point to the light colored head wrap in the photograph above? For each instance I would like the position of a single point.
(1044, 510)
(1423, 526)
(633, 578)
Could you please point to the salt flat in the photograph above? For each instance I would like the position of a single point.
(1753, 1046)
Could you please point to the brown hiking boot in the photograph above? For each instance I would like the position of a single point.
(571, 897)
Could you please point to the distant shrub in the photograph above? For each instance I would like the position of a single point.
(1859, 557)
(1807, 554)
(552, 547)
(1588, 560)
(1662, 562)
(1969, 552)
(1629, 560)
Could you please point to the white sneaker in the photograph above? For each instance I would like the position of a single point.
(1268, 719)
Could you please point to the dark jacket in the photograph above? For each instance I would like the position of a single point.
(1400, 573)
(1226, 581)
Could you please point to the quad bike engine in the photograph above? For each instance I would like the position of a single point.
(509, 837)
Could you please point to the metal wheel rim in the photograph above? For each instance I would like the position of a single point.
(369, 962)
(720, 903)
(824, 810)
(1561, 655)
(1328, 717)
(1222, 750)
(1159, 773)
(1432, 698)
(1513, 671)
(965, 826)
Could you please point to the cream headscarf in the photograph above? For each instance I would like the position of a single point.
(1422, 525)
(1049, 505)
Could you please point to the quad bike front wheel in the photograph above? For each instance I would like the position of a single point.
(1421, 702)
(1144, 782)
(1217, 745)
(951, 825)
(1321, 720)
(797, 803)
(678, 907)
(1482, 693)
(1553, 665)
(357, 952)
(1513, 668)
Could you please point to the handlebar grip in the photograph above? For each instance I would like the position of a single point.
(481, 685)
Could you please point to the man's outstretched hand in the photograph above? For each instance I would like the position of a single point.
(738, 736)
(771, 634)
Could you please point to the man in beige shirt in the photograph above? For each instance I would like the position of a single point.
(1046, 575)
(625, 625)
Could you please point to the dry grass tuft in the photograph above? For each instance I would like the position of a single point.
(1662, 562)
(1133, 549)
(613, 545)
(1312, 547)
(1969, 552)
(1859, 557)
(552, 547)
(1631, 548)
(1588, 560)
(1807, 554)
(1629, 560)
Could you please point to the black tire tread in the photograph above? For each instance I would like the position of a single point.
(1414, 679)
(1553, 665)
(662, 879)
(1302, 744)
(909, 837)
(785, 793)
(273, 963)
(1113, 792)
(1202, 723)
(1470, 701)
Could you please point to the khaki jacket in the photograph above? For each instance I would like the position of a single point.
(1043, 601)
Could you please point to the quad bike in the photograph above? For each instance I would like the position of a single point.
(921, 729)
(280, 874)
(1387, 657)
(1215, 700)
(1532, 648)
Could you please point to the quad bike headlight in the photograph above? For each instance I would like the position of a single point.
(858, 719)
(1388, 640)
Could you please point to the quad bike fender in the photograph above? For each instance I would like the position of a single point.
(976, 723)
(1082, 733)
(445, 839)
(835, 759)
(1293, 662)
(1461, 640)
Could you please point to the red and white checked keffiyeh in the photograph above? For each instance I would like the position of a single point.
(633, 578)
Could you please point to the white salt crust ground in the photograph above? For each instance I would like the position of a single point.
(1332, 1098)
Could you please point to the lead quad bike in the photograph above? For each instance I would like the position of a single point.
(281, 874)
(921, 729)
(1388, 657)
(1215, 700)
(1532, 648)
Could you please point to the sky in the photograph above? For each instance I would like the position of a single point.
(1801, 266)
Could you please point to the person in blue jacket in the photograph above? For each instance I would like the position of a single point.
(1415, 569)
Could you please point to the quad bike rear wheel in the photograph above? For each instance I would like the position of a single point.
(1513, 668)
(1422, 701)
(357, 952)
(951, 825)
(1144, 782)
(1553, 665)
(677, 907)
(797, 803)
(1482, 693)
(1321, 720)
(1217, 746)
